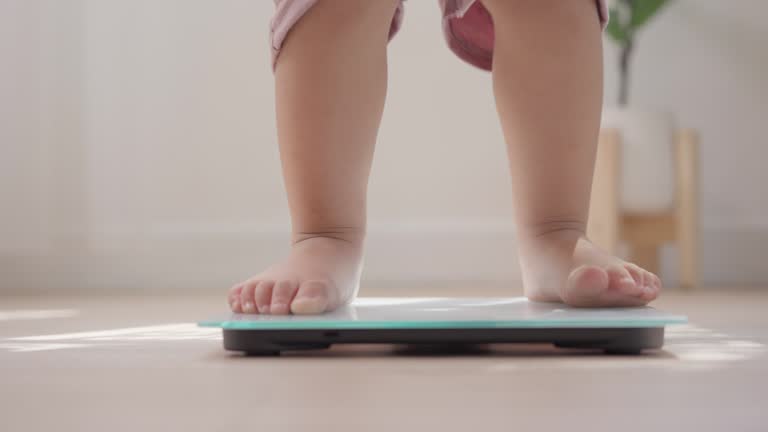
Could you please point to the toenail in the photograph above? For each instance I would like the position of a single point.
(248, 306)
(235, 304)
(264, 309)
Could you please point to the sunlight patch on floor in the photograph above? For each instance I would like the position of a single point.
(37, 314)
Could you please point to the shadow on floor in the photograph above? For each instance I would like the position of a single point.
(446, 351)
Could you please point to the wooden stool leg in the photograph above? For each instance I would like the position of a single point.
(604, 217)
(687, 206)
(646, 256)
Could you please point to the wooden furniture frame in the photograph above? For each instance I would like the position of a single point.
(645, 233)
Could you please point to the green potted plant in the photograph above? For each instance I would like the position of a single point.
(627, 18)
(646, 134)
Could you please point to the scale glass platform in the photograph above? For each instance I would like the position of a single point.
(446, 322)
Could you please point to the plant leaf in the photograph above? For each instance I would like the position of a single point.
(615, 29)
(643, 10)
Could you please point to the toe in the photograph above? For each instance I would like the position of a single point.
(262, 295)
(658, 284)
(621, 280)
(313, 297)
(644, 279)
(246, 297)
(233, 298)
(636, 272)
(282, 295)
(647, 279)
(585, 284)
(652, 287)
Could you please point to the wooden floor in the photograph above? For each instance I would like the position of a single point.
(80, 364)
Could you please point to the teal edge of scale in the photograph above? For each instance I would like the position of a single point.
(309, 324)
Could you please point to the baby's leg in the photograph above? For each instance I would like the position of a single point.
(547, 76)
(330, 88)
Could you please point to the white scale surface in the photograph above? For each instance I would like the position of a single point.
(435, 313)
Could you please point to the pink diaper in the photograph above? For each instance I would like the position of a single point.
(467, 26)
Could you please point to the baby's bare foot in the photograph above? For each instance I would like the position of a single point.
(565, 266)
(319, 275)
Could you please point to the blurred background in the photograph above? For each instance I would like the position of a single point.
(138, 150)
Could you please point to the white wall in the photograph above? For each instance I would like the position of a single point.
(137, 145)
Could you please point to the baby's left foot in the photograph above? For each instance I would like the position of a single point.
(565, 266)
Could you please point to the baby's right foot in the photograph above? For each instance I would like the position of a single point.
(319, 275)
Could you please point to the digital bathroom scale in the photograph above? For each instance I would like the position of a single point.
(450, 322)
